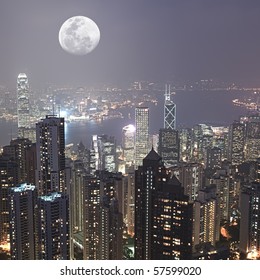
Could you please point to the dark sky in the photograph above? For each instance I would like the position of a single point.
(140, 39)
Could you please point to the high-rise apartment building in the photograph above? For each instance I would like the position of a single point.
(214, 156)
(53, 227)
(190, 176)
(163, 215)
(17, 152)
(236, 142)
(50, 151)
(8, 179)
(250, 221)
(206, 226)
(142, 134)
(102, 217)
(252, 141)
(23, 236)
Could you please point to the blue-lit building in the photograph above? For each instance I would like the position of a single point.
(53, 227)
(22, 201)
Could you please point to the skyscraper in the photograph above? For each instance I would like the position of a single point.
(142, 134)
(8, 179)
(250, 221)
(206, 221)
(236, 142)
(50, 151)
(102, 217)
(23, 110)
(17, 152)
(22, 201)
(169, 146)
(252, 143)
(53, 227)
(163, 215)
(128, 143)
(169, 110)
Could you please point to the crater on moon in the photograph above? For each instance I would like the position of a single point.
(79, 35)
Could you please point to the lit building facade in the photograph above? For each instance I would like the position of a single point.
(163, 215)
(169, 110)
(23, 237)
(252, 144)
(169, 146)
(50, 151)
(53, 227)
(8, 179)
(250, 219)
(23, 107)
(128, 144)
(142, 134)
(236, 143)
(206, 226)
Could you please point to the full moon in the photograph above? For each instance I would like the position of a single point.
(79, 35)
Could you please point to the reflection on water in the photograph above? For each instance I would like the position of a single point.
(192, 107)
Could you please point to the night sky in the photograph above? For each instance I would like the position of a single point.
(140, 40)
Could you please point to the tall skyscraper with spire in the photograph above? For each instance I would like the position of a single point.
(23, 105)
(169, 143)
(169, 110)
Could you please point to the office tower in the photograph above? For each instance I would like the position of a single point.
(169, 146)
(50, 151)
(141, 134)
(169, 110)
(202, 137)
(8, 179)
(23, 237)
(220, 140)
(102, 217)
(213, 158)
(103, 153)
(250, 220)
(23, 110)
(53, 227)
(185, 144)
(252, 143)
(236, 143)
(107, 153)
(206, 226)
(17, 152)
(190, 176)
(128, 144)
(163, 215)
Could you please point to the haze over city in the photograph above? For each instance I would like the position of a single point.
(146, 40)
(130, 130)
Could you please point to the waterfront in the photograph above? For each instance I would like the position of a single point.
(212, 107)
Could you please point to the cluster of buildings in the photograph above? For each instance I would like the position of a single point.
(189, 193)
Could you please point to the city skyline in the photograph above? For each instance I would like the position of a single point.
(160, 103)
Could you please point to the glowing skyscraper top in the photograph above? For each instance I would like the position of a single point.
(169, 110)
(22, 104)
